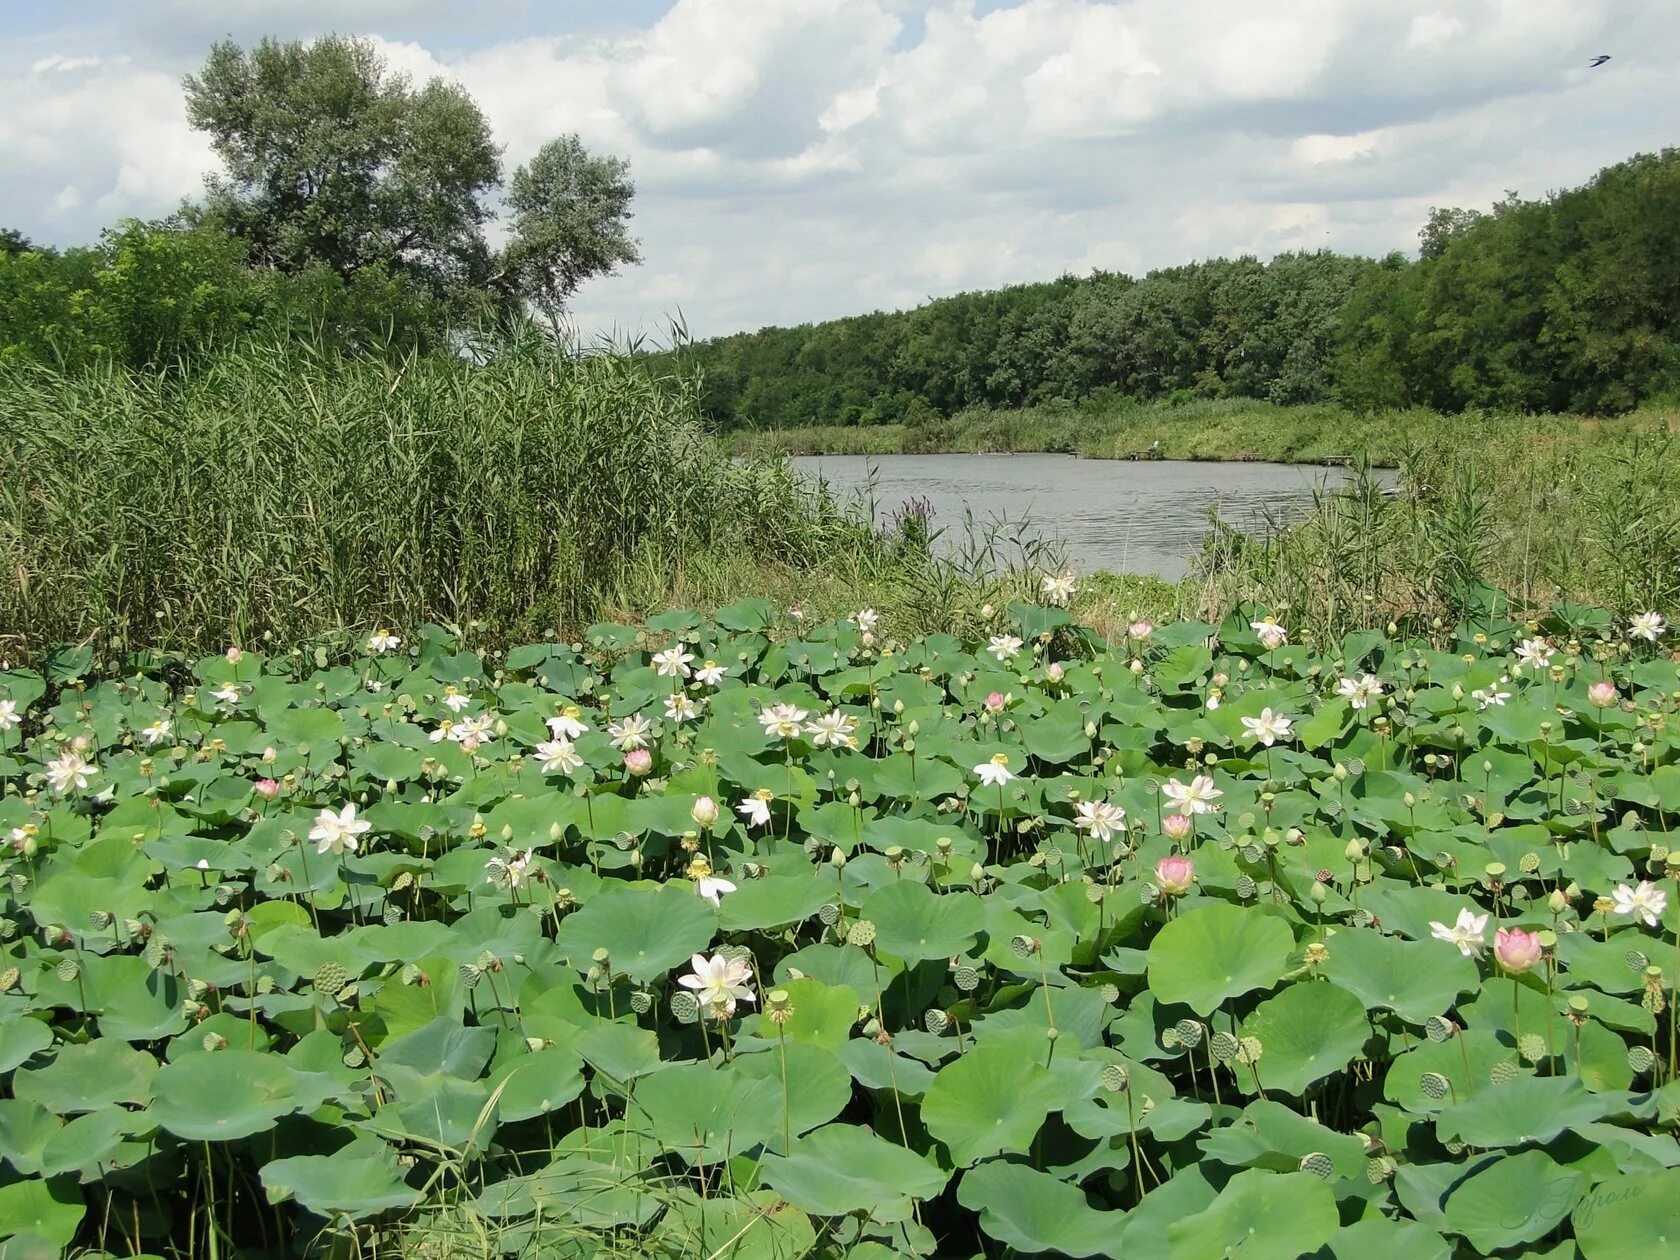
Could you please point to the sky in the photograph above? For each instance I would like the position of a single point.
(801, 159)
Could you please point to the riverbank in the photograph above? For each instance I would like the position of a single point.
(1214, 430)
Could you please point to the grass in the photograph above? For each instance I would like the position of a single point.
(1222, 429)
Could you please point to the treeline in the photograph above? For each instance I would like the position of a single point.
(1565, 303)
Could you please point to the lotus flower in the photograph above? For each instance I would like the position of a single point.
(1174, 875)
(1515, 950)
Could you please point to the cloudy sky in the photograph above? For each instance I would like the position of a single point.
(798, 159)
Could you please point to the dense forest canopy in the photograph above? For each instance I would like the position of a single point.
(1565, 303)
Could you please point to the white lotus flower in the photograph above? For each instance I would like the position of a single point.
(1536, 653)
(1361, 691)
(1100, 818)
(454, 700)
(718, 981)
(833, 730)
(1649, 626)
(1490, 697)
(680, 708)
(712, 887)
(157, 732)
(510, 871)
(781, 721)
(1646, 902)
(558, 756)
(711, 673)
(383, 641)
(69, 771)
(673, 662)
(1059, 588)
(1003, 646)
(1467, 933)
(630, 732)
(567, 724)
(865, 620)
(1271, 634)
(227, 693)
(338, 833)
(995, 773)
(756, 808)
(1268, 728)
(9, 716)
(474, 730)
(1197, 797)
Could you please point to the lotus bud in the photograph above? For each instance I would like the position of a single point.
(1408, 800)
(1515, 950)
(1318, 892)
(638, 762)
(837, 857)
(1601, 695)
(1355, 851)
(1557, 902)
(976, 873)
(1458, 691)
(898, 707)
(1339, 773)
(704, 811)
(1054, 672)
(1136, 666)
(1174, 875)
(1175, 827)
(995, 702)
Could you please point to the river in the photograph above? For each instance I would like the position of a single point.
(1146, 516)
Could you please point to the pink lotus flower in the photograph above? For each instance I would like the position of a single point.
(1516, 950)
(1175, 827)
(638, 761)
(1175, 874)
(1601, 695)
(995, 702)
(268, 789)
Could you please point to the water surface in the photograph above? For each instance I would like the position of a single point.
(1145, 516)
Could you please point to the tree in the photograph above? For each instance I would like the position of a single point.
(330, 159)
(14, 242)
(570, 214)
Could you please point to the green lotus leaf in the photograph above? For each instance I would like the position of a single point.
(754, 1225)
(1629, 1217)
(443, 1045)
(1259, 1216)
(1513, 1200)
(537, 1084)
(1306, 1032)
(914, 923)
(25, 1129)
(819, 1085)
(89, 1076)
(823, 1014)
(1527, 1109)
(987, 1102)
(1378, 1238)
(86, 1143)
(21, 1039)
(232, 1094)
(357, 1182)
(841, 1169)
(1270, 1135)
(774, 901)
(620, 1052)
(48, 1210)
(1213, 953)
(704, 1114)
(1415, 979)
(1033, 1212)
(645, 931)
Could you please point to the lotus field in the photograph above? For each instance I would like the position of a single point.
(749, 936)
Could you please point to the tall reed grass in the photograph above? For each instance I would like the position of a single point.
(290, 491)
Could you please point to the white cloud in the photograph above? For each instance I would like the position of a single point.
(797, 159)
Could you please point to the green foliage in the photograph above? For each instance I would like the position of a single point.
(492, 1027)
(293, 490)
(332, 161)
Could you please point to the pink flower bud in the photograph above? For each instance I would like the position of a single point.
(1054, 672)
(1140, 629)
(1601, 695)
(705, 811)
(994, 702)
(268, 789)
(234, 656)
(1175, 874)
(1516, 950)
(638, 761)
(1175, 827)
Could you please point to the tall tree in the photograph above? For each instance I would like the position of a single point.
(13, 243)
(331, 159)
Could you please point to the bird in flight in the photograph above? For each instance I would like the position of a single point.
(1598, 60)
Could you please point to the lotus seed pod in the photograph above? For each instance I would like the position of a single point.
(1319, 1165)
(1504, 1072)
(1640, 1058)
(1170, 1039)
(861, 934)
(8, 979)
(1434, 1085)
(1439, 1028)
(1532, 1047)
(641, 1001)
(1189, 1032)
(966, 978)
(936, 1021)
(1635, 960)
(1224, 1046)
(601, 955)
(828, 914)
(1023, 946)
(1578, 1004)
(1110, 993)
(685, 1007)
(213, 1042)
(1114, 1077)
(67, 969)
(1249, 1050)
(1379, 1169)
